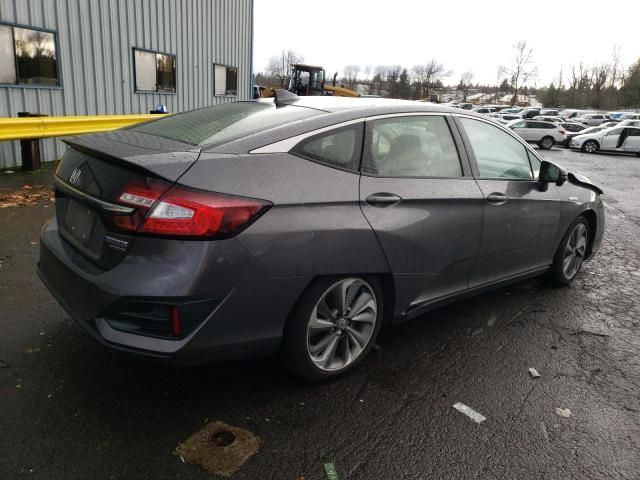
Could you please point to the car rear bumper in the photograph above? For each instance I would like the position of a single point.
(249, 307)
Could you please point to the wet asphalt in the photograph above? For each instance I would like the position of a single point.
(70, 409)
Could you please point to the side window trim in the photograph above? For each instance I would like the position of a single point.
(357, 160)
(463, 158)
(472, 158)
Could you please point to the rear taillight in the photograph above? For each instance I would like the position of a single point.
(562, 131)
(185, 212)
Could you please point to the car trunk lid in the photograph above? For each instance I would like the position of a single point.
(91, 177)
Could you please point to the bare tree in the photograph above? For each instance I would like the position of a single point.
(427, 74)
(616, 68)
(367, 71)
(522, 70)
(280, 65)
(599, 77)
(466, 82)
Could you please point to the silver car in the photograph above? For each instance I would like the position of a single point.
(301, 226)
(544, 134)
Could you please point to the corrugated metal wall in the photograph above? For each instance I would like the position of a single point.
(95, 38)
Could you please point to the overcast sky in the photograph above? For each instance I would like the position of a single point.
(463, 34)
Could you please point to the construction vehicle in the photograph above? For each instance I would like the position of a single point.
(306, 80)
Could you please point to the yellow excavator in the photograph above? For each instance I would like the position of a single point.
(306, 80)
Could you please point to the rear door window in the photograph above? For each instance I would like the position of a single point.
(497, 153)
(411, 146)
(340, 147)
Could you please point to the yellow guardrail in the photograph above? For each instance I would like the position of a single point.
(25, 128)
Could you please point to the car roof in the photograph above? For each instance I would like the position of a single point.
(334, 110)
(336, 104)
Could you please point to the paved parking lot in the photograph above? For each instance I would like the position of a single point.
(71, 410)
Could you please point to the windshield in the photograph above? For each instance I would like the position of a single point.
(223, 123)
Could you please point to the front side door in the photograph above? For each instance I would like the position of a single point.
(520, 218)
(632, 142)
(418, 195)
(611, 139)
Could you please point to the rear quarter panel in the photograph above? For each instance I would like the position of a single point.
(315, 226)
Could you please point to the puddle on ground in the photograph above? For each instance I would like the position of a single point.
(219, 448)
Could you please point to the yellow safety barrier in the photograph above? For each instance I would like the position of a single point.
(45, 127)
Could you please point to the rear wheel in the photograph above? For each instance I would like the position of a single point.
(333, 327)
(547, 143)
(590, 146)
(571, 252)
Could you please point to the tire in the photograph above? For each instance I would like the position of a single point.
(546, 143)
(570, 254)
(340, 342)
(590, 146)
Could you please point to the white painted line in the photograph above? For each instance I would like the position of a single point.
(470, 412)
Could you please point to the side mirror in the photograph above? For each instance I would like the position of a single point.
(552, 173)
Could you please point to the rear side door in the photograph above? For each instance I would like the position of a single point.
(520, 218)
(418, 194)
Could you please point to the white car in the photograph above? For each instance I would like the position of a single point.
(615, 139)
(545, 134)
(629, 116)
(592, 119)
(629, 123)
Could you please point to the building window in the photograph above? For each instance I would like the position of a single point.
(28, 56)
(154, 71)
(225, 80)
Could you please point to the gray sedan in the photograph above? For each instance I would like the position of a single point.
(301, 226)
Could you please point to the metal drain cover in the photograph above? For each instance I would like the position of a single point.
(219, 448)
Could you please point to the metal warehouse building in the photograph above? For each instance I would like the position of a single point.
(104, 57)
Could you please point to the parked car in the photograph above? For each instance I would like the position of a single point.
(629, 123)
(484, 110)
(465, 106)
(573, 126)
(615, 115)
(550, 111)
(629, 116)
(570, 114)
(530, 112)
(549, 118)
(504, 118)
(512, 110)
(243, 229)
(616, 139)
(592, 119)
(544, 134)
(570, 135)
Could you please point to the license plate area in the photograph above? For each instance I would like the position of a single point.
(79, 223)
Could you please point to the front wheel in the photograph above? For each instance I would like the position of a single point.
(571, 252)
(333, 327)
(590, 146)
(547, 142)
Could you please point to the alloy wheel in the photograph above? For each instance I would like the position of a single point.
(547, 143)
(575, 251)
(341, 324)
(590, 147)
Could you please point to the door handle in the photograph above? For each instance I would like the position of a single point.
(383, 199)
(497, 198)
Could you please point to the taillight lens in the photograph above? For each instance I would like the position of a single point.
(562, 131)
(185, 212)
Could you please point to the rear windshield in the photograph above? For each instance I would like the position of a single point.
(223, 123)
